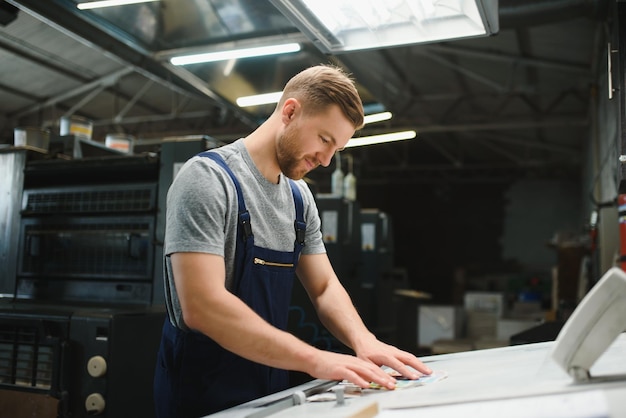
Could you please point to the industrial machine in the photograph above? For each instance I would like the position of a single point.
(81, 299)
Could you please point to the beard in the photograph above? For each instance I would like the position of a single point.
(288, 154)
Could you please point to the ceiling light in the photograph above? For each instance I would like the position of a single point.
(377, 117)
(379, 139)
(346, 25)
(258, 51)
(259, 99)
(109, 3)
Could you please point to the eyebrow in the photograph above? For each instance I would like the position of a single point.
(342, 148)
(333, 140)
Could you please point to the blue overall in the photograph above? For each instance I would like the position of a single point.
(194, 375)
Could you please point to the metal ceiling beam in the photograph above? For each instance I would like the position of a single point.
(32, 54)
(85, 100)
(510, 58)
(445, 153)
(499, 165)
(514, 13)
(131, 102)
(464, 71)
(65, 15)
(571, 152)
(500, 150)
(421, 129)
(36, 56)
(19, 93)
(104, 81)
(153, 118)
(493, 126)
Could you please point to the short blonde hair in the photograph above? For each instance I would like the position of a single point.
(321, 86)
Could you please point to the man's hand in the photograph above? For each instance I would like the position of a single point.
(382, 354)
(333, 366)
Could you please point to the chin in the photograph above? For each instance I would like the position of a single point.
(297, 175)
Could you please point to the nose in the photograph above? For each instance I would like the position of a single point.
(325, 157)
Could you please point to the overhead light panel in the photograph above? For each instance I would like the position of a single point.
(336, 26)
(377, 117)
(258, 51)
(109, 3)
(259, 99)
(379, 139)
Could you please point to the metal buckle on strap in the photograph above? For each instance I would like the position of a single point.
(300, 231)
(244, 218)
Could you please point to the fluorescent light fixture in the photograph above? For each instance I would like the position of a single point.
(346, 25)
(269, 98)
(236, 53)
(377, 117)
(109, 3)
(379, 139)
(259, 99)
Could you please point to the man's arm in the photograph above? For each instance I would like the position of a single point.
(337, 313)
(208, 307)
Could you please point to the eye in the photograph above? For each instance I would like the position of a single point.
(324, 140)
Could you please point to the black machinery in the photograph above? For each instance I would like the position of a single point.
(81, 288)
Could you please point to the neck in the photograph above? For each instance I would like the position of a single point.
(261, 146)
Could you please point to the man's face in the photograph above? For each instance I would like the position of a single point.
(310, 141)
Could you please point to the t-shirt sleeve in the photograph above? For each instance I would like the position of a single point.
(196, 210)
(313, 238)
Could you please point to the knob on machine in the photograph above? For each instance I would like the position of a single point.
(94, 404)
(97, 366)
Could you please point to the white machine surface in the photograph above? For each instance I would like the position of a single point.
(597, 321)
(515, 381)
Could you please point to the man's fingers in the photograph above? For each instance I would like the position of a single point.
(383, 378)
(365, 373)
(406, 363)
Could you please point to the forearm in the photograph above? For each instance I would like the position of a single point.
(243, 332)
(332, 303)
(338, 314)
(234, 326)
(341, 318)
(208, 307)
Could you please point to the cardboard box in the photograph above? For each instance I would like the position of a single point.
(444, 346)
(439, 322)
(506, 327)
(481, 325)
(485, 302)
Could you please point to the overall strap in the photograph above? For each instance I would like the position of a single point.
(299, 223)
(244, 215)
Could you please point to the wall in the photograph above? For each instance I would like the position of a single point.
(603, 185)
(601, 164)
(536, 211)
(441, 228)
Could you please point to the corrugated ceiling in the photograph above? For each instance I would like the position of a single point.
(509, 104)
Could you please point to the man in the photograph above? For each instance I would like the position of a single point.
(240, 225)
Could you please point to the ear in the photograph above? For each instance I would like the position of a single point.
(289, 110)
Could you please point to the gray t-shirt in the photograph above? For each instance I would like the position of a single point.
(202, 214)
